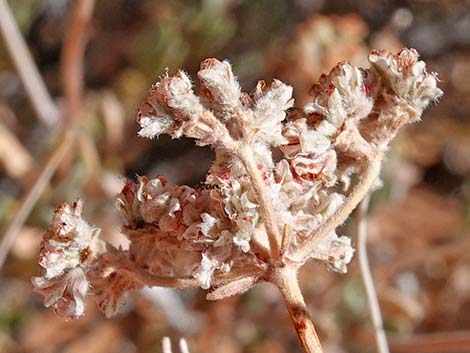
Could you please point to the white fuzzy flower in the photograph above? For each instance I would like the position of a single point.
(208, 222)
(336, 251)
(220, 84)
(407, 76)
(243, 235)
(270, 108)
(69, 242)
(206, 269)
(153, 121)
(177, 94)
(303, 139)
(67, 249)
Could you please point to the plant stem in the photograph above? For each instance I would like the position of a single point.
(266, 210)
(72, 58)
(380, 338)
(343, 212)
(286, 280)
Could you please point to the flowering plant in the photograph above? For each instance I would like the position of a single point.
(281, 182)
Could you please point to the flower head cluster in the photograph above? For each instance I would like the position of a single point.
(255, 212)
(68, 249)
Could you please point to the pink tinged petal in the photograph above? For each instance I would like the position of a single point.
(336, 251)
(111, 292)
(316, 168)
(66, 294)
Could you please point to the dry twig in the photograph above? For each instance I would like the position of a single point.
(72, 59)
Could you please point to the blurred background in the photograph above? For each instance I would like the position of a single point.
(419, 223)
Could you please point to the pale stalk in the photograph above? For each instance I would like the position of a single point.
(265, 209)
(166, 345)
(72, 58)
(286, 280)
(29, 74)
(374, 308)
(183, 346)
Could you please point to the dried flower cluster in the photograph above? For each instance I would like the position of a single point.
(256, 213)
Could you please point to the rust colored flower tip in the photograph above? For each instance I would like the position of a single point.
(256, 215)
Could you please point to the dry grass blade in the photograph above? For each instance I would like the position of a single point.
(380, 338)
(23, 61)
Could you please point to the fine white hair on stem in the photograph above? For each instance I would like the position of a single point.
(367, 280)
(27, 70)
